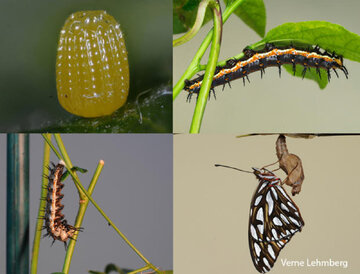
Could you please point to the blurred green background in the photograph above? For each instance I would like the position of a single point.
(29, 36)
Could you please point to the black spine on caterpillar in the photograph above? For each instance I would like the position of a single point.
(270, 56)
(56, 226)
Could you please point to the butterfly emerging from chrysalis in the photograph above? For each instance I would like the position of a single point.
(270, 56)
(56, 225)
(274, 219)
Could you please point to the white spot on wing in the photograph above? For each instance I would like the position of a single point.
(271, 252)
(270, 203)
(277, 221)
(262, 186)
(261, 228)
(283, 192)
(274, 193)
(260, 215)
(290, 204)
(284, 218)
(253, 232)
(294, 221)
(266, 262)
(273, 231)
(258, 199)
(282, 206)
(257, 249)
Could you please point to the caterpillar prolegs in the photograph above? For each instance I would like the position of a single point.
(270, 56)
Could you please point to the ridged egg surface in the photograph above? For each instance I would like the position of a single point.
(92, 71)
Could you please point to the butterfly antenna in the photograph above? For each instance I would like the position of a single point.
(238, 169)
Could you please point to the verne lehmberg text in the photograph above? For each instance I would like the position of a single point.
(315, 263)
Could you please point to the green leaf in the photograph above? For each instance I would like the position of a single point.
(184, 15)
(155, 109)
(253, 13)
(312, 75)
(331, 37)
(113, 267)
(110, 268)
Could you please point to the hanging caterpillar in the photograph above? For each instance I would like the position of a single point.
(270, 56)
(55, 223)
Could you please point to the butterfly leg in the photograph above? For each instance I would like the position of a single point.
(289, 174)
(270, 164)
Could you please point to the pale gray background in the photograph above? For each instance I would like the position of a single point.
(271, 104)
(134, 189)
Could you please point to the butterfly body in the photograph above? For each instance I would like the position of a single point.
(274, 219)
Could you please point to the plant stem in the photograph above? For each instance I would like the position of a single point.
(138, 270)
(209, 72)
(67, 160)
(193, 68)
(40, 220)
(80, 216)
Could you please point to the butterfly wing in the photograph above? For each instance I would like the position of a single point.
(274, 219)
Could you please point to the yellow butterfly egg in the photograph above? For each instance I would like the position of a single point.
(92, 70)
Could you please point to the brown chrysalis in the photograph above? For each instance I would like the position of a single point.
(291, 165)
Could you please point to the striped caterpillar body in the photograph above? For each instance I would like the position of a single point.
(55, 224)
(270, 56)
(291, 165)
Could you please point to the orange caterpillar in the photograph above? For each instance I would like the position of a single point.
(55, 224)
(270, 56)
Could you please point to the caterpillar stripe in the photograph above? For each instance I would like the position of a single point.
(270, 56)
(55, 223)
